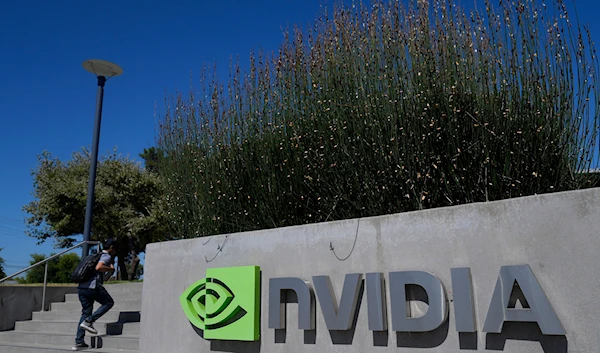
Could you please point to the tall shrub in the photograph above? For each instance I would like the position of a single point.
(383, 109)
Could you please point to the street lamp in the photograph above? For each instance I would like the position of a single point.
(103, 70)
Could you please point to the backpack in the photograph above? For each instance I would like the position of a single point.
(86, 268)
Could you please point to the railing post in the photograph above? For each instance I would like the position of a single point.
(44, 290)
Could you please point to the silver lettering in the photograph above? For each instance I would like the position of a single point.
(376, 302)
(540, 309)
(338, 318)
(464, 309)
(277, 302)
(437, 313)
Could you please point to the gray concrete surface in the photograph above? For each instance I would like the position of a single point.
(18, 302)
(54, 331)
(557, 235)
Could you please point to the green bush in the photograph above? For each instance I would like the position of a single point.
(59, 269)
(386, 109)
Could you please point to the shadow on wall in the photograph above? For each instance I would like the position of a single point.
(230, 346)
(522, 331)
(496, 342)
(431, 339)
(516, 331)
(235, 347)
(310, 336)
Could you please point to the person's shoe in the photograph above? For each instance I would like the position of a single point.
(86, 325)
(80, 346)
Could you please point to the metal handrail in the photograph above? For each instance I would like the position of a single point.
(45, 261)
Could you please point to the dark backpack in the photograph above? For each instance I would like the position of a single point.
(86, 268)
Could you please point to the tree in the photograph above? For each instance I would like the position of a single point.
(135, 271)
(151, 159)
(124, 206)
(59, 269)
(2, 274)
(65, 266)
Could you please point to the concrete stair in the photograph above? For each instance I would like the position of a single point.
(54, 331)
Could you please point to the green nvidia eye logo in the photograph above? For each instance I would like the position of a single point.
(226, 304)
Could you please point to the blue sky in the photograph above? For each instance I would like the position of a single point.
(47, 99)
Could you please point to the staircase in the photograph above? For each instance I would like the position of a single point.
(54, 331)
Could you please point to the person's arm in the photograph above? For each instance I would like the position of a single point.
(108, 275)
(102, 267)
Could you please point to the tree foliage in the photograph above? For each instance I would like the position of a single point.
(2, 274)
(59, 269)
(386, 109)
(124, 206)
(151, 156)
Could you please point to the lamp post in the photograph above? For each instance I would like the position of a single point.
(103, 70)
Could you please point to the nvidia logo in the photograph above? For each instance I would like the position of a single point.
(226, 304)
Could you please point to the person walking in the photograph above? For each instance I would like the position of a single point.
(91, 291)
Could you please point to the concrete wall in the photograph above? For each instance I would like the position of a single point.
(557, 235)
(18, 302)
